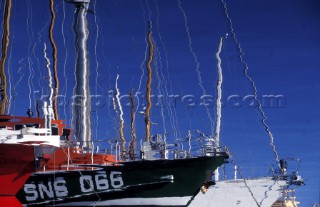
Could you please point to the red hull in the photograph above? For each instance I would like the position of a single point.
(10, 201)
(16, 165)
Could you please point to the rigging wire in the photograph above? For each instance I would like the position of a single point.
(159, 88)
(255, 91)
(22, 74)
(35, 56)
(73, 123)
(158, 68)
(10, 79)
(96, 69)
(31, 51)
(172, 116)
(103, 60)
(110, 92)
(142, 64)
(65, 61)
(256, 99)
(197, 69)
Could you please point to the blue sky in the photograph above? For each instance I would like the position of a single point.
(281, 46)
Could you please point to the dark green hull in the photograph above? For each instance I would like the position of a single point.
(144, 180)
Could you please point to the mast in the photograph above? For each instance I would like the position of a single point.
(81, 100)
(54, 54)
(132, 145)
(4, 50)
(121, 122)
(149, 81)
(218, 103)
(219, 95)
(47, 108)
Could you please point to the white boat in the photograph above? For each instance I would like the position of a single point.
(263, 191)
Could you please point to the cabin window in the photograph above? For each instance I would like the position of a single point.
(65, 134)
(54, 131)
(21, 126)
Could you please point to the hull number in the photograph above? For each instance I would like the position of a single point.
(63, 187)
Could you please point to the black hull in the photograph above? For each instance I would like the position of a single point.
(148, 180)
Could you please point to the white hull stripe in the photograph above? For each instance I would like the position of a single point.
(165, 201)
